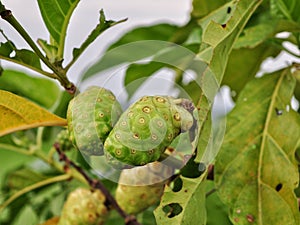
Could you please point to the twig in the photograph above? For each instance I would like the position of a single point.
(96, 184)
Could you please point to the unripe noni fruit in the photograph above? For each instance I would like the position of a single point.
(141, 187)
(146, 128)
(84, 207)
(91, 116)
(63, 139)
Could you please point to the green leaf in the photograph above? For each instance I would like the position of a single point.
(287, 9)
(244, 63)
(202, 8)
(185, 206)
(50, 50)
(21, 178)
(17, 113)
(56, 15)
(43, 91)
(21, 56)
(255, 170)
(161, 32)
(217, 212)
(118, 52)
(28, 57)
(6, 48)
(98, 30)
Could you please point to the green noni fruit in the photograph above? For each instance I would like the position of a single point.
(141, 187)
(146, 128)
(84, 207)
(91, 116)
(63, 139)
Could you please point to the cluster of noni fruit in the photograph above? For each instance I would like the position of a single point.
(133, 140)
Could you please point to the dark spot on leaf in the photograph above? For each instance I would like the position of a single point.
(177, 184)
(172, 209)
(250, 218)
(278, 112)
(229, 10)
(278, 187)
(224, 25)
(185, 190)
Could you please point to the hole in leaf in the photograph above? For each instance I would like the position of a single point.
(278, 187)
(172, 209)
(177, 184)
(191, 169)
(228, 10)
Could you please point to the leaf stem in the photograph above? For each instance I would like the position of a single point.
(8, 16)
(50, 75)
(35, 186)
(15, 149)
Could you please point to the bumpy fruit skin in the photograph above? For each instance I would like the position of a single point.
(63, 139)
(84, 207)
(145, 129)
(141, 187)
(91, 116)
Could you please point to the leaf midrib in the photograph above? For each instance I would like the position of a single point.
(265, 134)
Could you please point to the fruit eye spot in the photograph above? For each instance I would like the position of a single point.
(150, 152)
(132, 151)
(145, 98)
(177, 116)
(118, 136)
(130, 114)
(123, 123)
(118, 151)
(101, 115)
(136, 136)
(154, 137)
(160, 99)
(160, 123)
(78, 128)
(99, 100)
(142, 120)
(146, 109)
(112, 97)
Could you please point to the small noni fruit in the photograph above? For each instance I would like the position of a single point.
(146, 128)
(91, 116)
(63, 139)
(141, 187)
(84, 207)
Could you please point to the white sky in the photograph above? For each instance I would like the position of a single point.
(86, 17)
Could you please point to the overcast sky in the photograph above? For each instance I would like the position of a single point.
(86, 17)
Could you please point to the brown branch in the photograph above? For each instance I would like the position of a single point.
(97, 184)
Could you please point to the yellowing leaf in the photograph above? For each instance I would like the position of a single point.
(17, 113)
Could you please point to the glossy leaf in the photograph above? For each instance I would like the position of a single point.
(56, 15)
(255, 171)
(42, 91)
(18, 114)
(184, 207)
